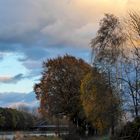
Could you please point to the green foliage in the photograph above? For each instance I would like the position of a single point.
(100, 104)
(11, 119)
(2, 120)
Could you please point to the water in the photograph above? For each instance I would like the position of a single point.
(11, 135)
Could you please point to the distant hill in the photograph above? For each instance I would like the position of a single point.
(14, 100)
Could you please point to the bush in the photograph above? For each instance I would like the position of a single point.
(131, 131)
(71, 137)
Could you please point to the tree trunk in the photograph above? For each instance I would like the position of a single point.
(112, 130)
(136, 111)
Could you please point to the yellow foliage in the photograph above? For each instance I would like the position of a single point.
(98, 100)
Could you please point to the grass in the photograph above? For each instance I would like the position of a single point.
(104, 138)
(42, 138)
(36, 138)
(98, 138)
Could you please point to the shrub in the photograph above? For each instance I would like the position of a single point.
(131, 131)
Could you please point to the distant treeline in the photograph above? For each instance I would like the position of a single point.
(12, 119)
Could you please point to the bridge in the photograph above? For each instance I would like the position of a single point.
(50, 127)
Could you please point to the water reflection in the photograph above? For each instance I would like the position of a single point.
(11, 135)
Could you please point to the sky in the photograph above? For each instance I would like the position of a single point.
(32, 31)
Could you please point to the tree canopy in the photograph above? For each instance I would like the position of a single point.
(12, 119)
(59, 87)
(108, 40)
(100, 103)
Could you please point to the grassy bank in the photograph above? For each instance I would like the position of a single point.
(98, 138)
(42, 138)
(56, 138)
(90, 138)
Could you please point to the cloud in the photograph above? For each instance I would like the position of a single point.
(11, 80)
(36, 28)
(31, 64)
(14, 99)
(1, 56)
(55, 22)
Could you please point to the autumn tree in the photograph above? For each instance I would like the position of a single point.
(101, 105)
(59, 87)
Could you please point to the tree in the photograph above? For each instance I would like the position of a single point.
(11, 119)
(59, 87)
(2, 120)
(131, 62)
(101, 105)
(106, 46)
(107, 51)
(116, 52)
